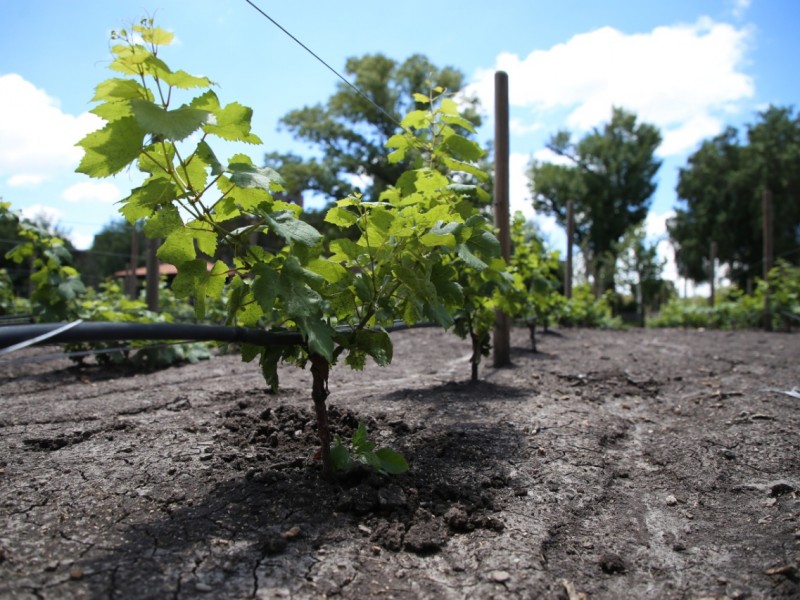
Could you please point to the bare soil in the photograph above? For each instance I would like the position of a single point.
(611, 464)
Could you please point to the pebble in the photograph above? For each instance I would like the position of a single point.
(500, 576)
(202, 587)
(671, 500)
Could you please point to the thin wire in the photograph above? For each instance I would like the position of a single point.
(330, 68)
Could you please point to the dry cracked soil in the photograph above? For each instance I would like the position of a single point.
(610, 464)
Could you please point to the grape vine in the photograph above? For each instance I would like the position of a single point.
(409, 245)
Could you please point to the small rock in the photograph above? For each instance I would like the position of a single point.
(291, 534)
(729, 454)
(500, 576)
(779, 488)
(76, 573)
(202, 587)
(679, 547)
(457, 519)
(671, 500)
(426, 537)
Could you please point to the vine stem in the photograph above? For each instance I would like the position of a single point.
(320, 368)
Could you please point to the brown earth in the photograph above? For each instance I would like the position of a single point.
(612, 464)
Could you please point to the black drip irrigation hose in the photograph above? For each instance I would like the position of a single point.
(17, 335)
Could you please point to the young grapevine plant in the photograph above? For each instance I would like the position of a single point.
(340, 296)
(535, 278)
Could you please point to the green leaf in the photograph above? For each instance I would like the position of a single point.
(144, 199)
(463, 148)
(265, 286)
(184, 81)
(421, 98)
(340, 457)
(120, 89)
(178, 248)
(249, 176)
(232, 123)
(173, 125)
(432, 239)
(333, 272)
(164, 222)
(377, 344)
(417, 119)
(112, 148)
(361, 439)
(341, 217)
(154, 35)
(457, 165)
(460, 121)
(290, 228)
(319, 336)
(391, 462)
(206, 154)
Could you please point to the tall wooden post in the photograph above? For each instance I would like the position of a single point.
(151, 289)
(133, 288)
(766, 209)
(568, 264)
(501, 340)
(712, 272)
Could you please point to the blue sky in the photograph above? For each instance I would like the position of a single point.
(691, 67)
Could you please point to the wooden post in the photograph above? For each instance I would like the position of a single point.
(151, 290)
(712, 272)
(568, 263)
(766, 209)
(501, 339)
(133, 288)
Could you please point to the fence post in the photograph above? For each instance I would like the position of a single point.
(500, 342)
(151, 290)
(766, 209)
(133, 287)
(712, 272)
(568, 264)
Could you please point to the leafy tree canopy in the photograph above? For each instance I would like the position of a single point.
(722, 187)
(350, 132)
(609, 178)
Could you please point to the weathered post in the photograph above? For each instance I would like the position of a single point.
(712, 272)
(501, 342)
(133, 288)
(568, 263)
(766, 209)
(151, 289)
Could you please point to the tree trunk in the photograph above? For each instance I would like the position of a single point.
(532, 332)
(319, 393)
(475, 359)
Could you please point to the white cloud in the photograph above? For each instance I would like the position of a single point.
(92, 191)
(25, 180)
(677, 77)
(740, 7)
(36, 137)
(519, 127)
(40, 212)
(519, 195)
(81, 241)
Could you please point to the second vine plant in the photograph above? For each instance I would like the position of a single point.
(408, 247)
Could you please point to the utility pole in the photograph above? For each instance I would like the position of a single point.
(501, 339)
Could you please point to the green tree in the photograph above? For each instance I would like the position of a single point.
(350, 132)
(721, 190)
(610, 179)
(640, 269)
(111, 249)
